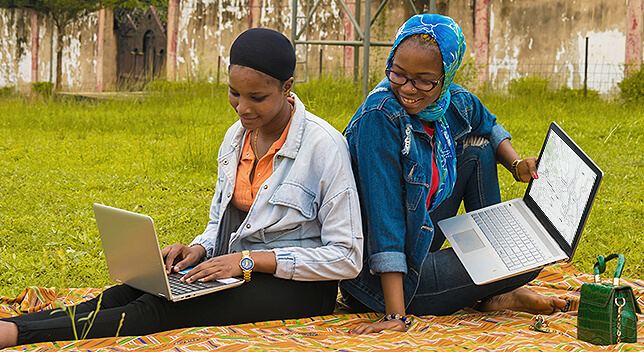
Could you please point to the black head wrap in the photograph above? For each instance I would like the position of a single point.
(264, 50)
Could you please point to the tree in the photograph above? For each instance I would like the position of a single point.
(64, 12)
(9, 4)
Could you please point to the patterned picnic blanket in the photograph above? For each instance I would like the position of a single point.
(464, 331)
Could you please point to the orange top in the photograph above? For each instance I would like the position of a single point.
(245, 190)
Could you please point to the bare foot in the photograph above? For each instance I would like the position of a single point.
(523, 300)
(8, 334)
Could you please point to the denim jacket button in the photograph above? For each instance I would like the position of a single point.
(265, 187)
(228, 195)
(248, 226)
(225, 161)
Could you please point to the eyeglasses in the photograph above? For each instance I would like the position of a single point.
(426, 85)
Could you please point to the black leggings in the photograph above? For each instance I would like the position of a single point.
(263, 298)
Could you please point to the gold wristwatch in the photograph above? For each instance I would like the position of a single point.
(246, 264)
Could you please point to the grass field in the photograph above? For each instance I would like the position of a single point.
(158, 156)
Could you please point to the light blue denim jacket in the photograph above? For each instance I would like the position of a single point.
(392, 162)
(307, 212)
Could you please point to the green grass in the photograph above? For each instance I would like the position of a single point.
(158, 156)
(612, 135)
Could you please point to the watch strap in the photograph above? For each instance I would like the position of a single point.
(246, 271)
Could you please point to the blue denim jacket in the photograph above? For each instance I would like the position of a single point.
(306, 212)
(391, 160)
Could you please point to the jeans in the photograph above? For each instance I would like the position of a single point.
(444, 285)
(477, 186)
(265, 297)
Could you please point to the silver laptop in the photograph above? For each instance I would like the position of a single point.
(134, 258)
(543, 228)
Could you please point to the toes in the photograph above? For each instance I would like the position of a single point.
(561, 304)
(567, 306)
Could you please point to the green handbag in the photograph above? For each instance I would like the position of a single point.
(607, 312)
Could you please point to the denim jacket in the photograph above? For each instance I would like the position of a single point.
(392, 162)
(307, 212)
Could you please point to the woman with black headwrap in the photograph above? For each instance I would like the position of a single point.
(284, 215)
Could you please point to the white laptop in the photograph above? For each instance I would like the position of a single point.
(548, 220)
(134, 258)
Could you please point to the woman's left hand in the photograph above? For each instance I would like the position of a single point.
(527, 169)
(220, 267)
(393, 325)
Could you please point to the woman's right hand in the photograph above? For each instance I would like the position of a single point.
(527, 169)
(179, 256)
(393, 325)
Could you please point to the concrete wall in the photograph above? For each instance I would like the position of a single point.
(80, 51)
(521, 38)
(548, 37)
(15, 48)
(524, 37)
(208, 27)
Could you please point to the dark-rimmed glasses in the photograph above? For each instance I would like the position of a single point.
(426, 85)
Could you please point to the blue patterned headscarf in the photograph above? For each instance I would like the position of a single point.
(451, 42)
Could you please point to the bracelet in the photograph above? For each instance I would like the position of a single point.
(402, 318)
(515, 170)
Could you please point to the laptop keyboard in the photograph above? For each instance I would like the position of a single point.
(510, 240)
(179, 288)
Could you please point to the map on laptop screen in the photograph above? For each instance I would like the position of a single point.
(564, 186)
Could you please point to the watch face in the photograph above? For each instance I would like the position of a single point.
(246, 263)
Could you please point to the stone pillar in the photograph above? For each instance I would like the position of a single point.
(106, 51)
(481, 39)
(35, 35)
(99, 50)
(172, 33)
(633, 36)
(254, 13)
(348, 35)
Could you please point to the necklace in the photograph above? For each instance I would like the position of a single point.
(255, 145)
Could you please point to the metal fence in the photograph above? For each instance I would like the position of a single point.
(600, 77)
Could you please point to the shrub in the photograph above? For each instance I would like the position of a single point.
(568, 94)
(529, 87)
(43, 89)
(6, 92)
(467, 74)
(632, 87)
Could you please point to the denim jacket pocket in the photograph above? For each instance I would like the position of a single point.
(295, 196)
(286, 238)
(415, 184)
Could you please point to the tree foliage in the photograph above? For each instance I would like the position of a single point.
(64, 12)
(136, 9)
(131, 5)
(632, 87)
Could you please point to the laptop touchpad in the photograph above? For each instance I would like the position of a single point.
(468, 241)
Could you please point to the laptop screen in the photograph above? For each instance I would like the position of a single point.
(567, 185)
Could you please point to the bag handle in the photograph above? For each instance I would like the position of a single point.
(600, 267)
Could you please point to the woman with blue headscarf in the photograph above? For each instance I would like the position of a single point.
(419, 146)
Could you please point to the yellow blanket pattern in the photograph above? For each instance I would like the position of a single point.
(466, 330)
